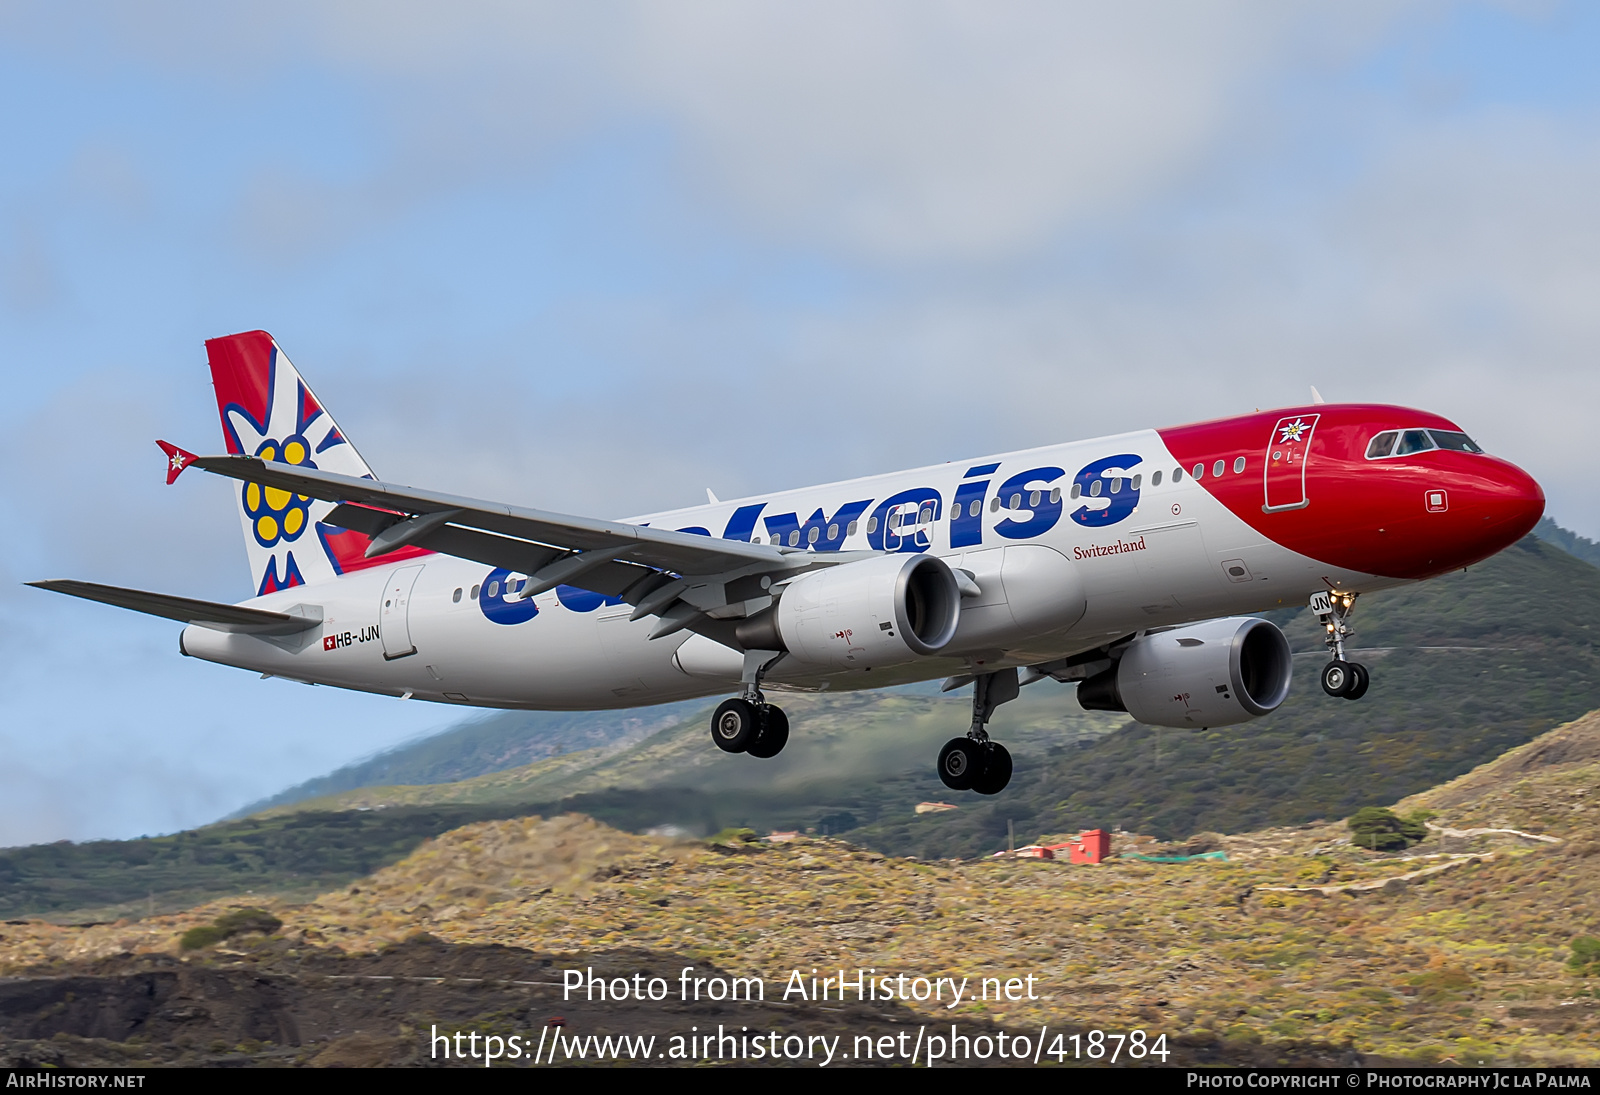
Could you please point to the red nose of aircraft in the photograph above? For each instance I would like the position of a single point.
(1511, 503)
(1476, 507)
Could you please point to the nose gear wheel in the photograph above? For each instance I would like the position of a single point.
(1340, 677)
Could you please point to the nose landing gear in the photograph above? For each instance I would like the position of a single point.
(974, 763)
(748, 723)
(1340, 677)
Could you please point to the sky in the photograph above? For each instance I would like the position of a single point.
(598, 257)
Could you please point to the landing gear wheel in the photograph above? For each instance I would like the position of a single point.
(960, 762)
(996, 773)
(1338, 678)
(774, 734)
(735, 725)
(1359, 687)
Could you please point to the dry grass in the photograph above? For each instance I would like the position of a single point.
(1466, 964)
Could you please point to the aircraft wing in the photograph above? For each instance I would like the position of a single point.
(218, 617)
(634, 562)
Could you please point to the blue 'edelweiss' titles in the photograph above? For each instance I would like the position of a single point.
(1030, 503)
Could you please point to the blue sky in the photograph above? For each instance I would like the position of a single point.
(598, 257)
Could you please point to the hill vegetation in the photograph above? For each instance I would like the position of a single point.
(1570, 542)
(1300, 948)
(504, 739)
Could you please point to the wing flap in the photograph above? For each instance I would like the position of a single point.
(217, 617)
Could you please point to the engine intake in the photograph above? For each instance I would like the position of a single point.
(884, 611)
(1211, 674)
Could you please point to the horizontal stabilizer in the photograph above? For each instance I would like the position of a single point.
(177, 460)
(218, 617)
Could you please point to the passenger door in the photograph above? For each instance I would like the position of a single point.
(1287, 451)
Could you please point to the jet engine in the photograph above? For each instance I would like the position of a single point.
(1209, 674)
(884, 611)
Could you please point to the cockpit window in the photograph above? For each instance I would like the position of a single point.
(1459, 442)
(1413, 441)
(1408, 442)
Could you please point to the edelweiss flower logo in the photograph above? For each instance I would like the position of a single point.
(1294, 431)
(277, 514)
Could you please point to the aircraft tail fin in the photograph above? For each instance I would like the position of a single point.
(268, 410)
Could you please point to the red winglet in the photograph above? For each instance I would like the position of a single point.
(177, 459)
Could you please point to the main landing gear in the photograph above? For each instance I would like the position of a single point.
(748, 723)
(974, 763)
(1340, 677)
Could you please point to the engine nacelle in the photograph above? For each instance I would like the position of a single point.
(878, 612)
(1209, 674)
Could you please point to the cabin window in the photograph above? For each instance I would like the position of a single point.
(1033, 498)
(794, 538)
(1238, 465)
(833, 532)
(1136, 479)
(474, 593)
(994, 504)
(1382, 445)
(1199, 471)
(455, 598)
(494, 591)
(850, 529)
(815, 534)
(1177, 475)
(1219, 467)
(925, 516)
(1055, 495)
(976, 507)
(1155, 480)
(1094, 489)
(872, 524)
(1076, 490)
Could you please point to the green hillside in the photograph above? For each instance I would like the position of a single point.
(1567, 541)
(491, 743)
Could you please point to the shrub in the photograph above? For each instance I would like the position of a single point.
(1381, 830)
(203, 936)
(1585, 960)
(238, 922)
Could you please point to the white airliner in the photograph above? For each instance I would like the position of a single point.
(1125, 563)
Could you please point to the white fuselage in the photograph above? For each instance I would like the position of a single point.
(443, 629)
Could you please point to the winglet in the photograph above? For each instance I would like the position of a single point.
(1316, 396)
(177, 460)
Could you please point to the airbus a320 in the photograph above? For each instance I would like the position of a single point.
(1128, 564)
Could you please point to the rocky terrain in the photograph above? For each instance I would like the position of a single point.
(1299, 948)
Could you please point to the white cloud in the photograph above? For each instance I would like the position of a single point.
(898, 130)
